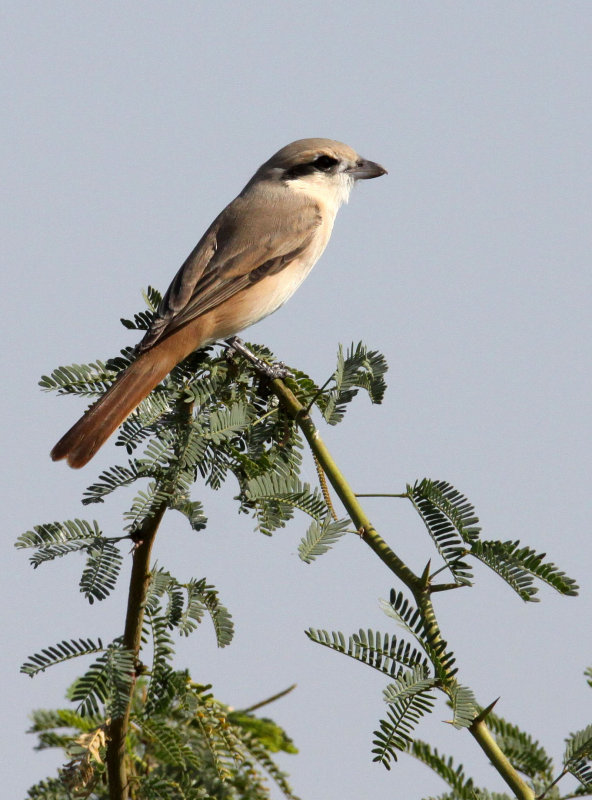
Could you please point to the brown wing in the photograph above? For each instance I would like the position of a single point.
(255, 236)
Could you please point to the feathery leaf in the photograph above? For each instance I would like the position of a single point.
(409, 699)
(56, 654)
(463, 787)
(101, 570)
(320, 537)
(359, 369)
(382, 652)
(450, 520)
(464, 706)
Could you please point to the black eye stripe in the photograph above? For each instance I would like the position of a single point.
(320, 164)
(324, 163)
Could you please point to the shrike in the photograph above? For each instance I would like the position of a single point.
(251, 259)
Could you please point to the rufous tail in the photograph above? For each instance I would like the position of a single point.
(92, 430)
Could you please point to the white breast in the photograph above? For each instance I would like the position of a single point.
(276, 289)
(269, 294)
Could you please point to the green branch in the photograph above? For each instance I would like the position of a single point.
(419, 586)
(337, 480)
(138, 588)
(490, 747)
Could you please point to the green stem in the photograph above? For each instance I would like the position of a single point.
(144, 536)
(561, 775)
(139, 582)
(269, 700)
(400, 495)
(490, 747)
(337, 480)
(419, 586)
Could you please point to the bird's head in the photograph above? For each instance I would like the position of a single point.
(321, 167)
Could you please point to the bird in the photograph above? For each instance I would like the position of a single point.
(251, 259)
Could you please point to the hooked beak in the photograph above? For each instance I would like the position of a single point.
(366, 169)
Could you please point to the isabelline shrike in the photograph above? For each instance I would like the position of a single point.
(251, 259)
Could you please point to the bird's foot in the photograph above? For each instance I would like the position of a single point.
(271, 371)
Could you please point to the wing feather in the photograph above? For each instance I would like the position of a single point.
(232, 256)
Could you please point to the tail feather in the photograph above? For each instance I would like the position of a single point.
(92, 430)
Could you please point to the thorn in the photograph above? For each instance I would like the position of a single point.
(485, 712)
(425, 576)
(445, 587)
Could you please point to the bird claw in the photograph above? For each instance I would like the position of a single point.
(279, 370)
(271, 371)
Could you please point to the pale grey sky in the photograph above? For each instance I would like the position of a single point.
(128, 126)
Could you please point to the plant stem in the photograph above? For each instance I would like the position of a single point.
(419, 587)
(490, 747)
(399, 495)
(561, 775)
(138, 587)
(342, 488)
(268, 700)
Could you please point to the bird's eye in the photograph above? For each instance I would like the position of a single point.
(324, 163)
(319, 164)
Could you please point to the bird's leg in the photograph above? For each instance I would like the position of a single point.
(236, 345)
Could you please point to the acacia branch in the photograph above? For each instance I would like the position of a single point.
(490, 747)
(367, 531)
(138, 587)
(419, 586)
(143, 536)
